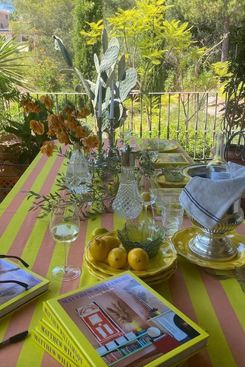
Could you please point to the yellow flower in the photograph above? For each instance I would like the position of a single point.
(63, 137)
(46, 101)
(81, 132)
(48, 148)
(37, 127)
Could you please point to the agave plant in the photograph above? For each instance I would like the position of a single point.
(110, 68)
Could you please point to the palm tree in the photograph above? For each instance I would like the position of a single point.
(11, 68)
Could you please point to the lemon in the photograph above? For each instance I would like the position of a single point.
(138, 259)
(146, 196)
(117, 258)
(98, 231)
(99, 249)
(112, 241)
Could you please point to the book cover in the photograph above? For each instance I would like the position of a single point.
(56, 353)
(174, 159)
(122, 321)
(14, 295)
(48, 331)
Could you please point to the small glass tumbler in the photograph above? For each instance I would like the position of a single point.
(172, 217)
(161, 198)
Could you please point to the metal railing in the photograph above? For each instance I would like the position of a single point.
(190, 118)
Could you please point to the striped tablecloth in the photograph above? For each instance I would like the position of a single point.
(217, 306)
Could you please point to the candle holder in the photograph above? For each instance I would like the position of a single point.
(214, 244)
(111, 137)
(99, 132)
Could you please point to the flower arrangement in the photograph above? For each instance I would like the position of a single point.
(66, 126)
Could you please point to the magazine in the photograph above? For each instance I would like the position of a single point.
(18, 285)
(122, 321)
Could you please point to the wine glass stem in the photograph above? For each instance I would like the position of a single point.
(145, 207)
(66, 265)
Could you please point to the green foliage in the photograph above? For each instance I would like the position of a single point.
(235, 87)
(19, 125)
(106, 80)
(41, 20)
(11, 69)
(45, 74)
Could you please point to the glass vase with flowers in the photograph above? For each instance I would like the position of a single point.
(67, 128)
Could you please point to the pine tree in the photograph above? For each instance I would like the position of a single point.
(85, 12)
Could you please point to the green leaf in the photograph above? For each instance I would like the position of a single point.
(64, 51)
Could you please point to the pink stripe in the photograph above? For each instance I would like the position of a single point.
(31, 218)
(7, 215)
(20, 321)
(227, 318)
(181, 300)
(107, 221)
(17, 249)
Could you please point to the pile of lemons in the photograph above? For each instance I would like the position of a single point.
(108, 248)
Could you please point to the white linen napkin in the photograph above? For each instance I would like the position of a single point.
(208, 200)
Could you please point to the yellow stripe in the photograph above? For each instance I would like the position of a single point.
(20, 215)
(218, 347)
(57, 258)
(5, 203)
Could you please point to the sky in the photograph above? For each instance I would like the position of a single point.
(5, 7)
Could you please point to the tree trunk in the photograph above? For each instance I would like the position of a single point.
(225, 43)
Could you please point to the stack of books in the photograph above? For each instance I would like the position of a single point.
(120, 321)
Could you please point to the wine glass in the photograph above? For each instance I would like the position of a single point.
(64, 228)
(147, 188)
(154, 144)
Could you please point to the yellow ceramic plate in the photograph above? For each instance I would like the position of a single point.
(170, 147)
(163, 182)
(159, 276)
(181, 241)
(174, 159)
(165, 258)
(149, 280)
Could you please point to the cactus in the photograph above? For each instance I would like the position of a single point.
(106, 70)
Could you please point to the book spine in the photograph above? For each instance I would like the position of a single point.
(64, 336)
(45, 328)
(52, 350)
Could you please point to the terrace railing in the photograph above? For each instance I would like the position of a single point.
(190, 118)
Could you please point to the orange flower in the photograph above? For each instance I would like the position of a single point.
(68, 111)
(90, 142)
(60, 118)
(36, 109)
(83, 113)
(63, 138)
(29, 106)
(81, 132)
(53, 123)
(48, 148)
(23, 102)
(46, 101)
(72, 123)
(37, 127)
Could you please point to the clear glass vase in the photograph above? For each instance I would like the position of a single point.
(78, 175)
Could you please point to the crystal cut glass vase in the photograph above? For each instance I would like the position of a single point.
(78, 175)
